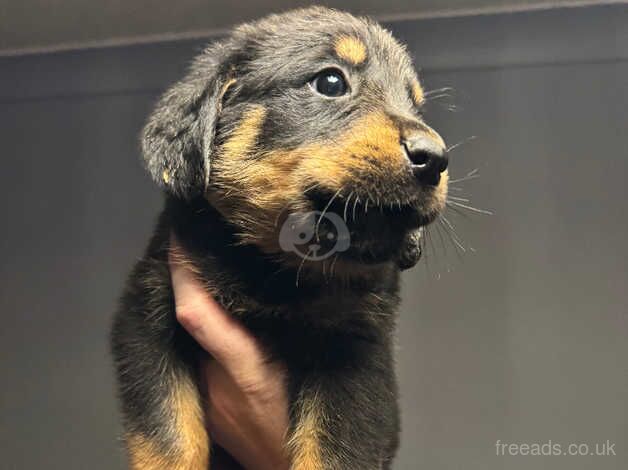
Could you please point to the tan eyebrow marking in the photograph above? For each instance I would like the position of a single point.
(350, 49)
(417, 93)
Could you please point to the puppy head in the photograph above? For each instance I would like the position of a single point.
(311, 110)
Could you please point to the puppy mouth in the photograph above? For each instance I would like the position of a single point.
(364, 213)
(376, 229)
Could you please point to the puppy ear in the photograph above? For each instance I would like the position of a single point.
(177, 140)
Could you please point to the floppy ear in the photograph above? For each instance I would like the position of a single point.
(177, 141)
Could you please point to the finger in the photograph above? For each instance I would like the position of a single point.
(222, 336)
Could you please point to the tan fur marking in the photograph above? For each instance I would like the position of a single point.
(417, 93)
(143, 455)
(258, 193)
(242, 139)
(191, 451)
(440, 195)
(165, 176)
(191, 424)
(227, 85)
(254, 195)
(304, 444)
(350, 49)
(372, 144)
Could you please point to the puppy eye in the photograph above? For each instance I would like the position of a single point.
(330, 82)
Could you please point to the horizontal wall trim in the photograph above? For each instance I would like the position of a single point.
(206, 34)
(557, 36)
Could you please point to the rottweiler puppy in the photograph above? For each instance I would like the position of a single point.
(298, 172)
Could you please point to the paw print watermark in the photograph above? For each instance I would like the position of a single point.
(315, 235)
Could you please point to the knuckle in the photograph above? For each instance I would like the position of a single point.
(189, 315)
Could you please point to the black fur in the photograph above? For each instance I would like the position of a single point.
(333, 333)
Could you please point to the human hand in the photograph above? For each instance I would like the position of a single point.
(247, 412)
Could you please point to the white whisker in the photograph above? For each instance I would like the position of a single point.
(469, 176)
(471, 208)
(464, 141)
(438, 90)
(320, 218)
(301, 266)
(344, 214)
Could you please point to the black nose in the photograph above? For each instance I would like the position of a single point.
(428, 158)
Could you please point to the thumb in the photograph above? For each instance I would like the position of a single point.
(221, 335)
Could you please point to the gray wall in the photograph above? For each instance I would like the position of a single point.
(523, 339)
(53, 24)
